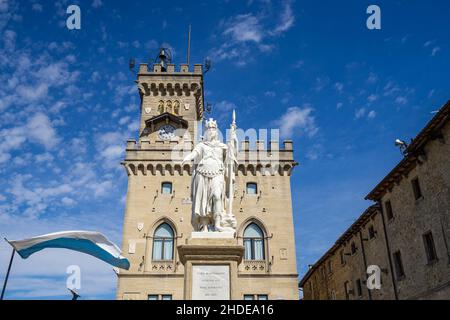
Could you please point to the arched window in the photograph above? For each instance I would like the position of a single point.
(166, 188)
(163, 243)
(252, 188)
(253, 242)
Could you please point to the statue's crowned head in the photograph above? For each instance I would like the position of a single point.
(210, 129)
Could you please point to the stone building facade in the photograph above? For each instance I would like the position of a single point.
(157, 218)
(411, 221)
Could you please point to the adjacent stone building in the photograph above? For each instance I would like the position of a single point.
(157, 219)
(406, 233)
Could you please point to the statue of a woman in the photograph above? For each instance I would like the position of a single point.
(208, 180)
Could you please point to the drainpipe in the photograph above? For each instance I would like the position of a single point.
(394, 284)
(365, 261)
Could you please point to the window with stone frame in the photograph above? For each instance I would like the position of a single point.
(163, 243)
(430, 248)
(166, 187)
(353, 248)
(253, 243)
(372, 232)
(330, 266)
(347, 290)
(398, 263)
(416, 188)
(342, 256)
(388, 208)
(252, 188)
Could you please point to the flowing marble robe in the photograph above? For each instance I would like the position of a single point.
(208, 182)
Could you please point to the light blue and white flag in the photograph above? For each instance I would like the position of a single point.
(90, 242)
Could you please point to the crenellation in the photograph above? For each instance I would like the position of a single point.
(131, 144)
(170, 68)
(198, 68)
(287, 145)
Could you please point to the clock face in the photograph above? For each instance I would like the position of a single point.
(166, 132)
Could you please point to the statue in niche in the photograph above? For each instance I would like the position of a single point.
(169, 106)
(176, 107)
(161, 106)
(212, 187)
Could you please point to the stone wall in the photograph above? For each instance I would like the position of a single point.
(428, 160)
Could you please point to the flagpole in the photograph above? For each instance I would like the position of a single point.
(7, 273)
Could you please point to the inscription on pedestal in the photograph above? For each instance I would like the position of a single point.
(210, 282)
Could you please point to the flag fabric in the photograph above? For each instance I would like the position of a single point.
(89, 242)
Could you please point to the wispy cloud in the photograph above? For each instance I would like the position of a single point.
(297, 120)
(247, 32)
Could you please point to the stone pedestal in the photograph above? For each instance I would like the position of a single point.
(211, 266)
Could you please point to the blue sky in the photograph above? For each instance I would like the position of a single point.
(68, 103)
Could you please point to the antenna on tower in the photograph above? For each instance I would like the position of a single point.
(189, 46)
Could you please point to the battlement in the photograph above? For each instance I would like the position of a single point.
(174, 150)
(157, 69)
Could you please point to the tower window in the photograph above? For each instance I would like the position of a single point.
(166, 188)
(163, 243)
(430, 249)
(253, 243)
(416, 188)
(252, 188)
(399, 271)
(389, 212)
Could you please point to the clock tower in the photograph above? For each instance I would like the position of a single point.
(157, 229)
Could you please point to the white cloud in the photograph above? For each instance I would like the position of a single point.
(244, 27)
(372, 98)
(339, 86)
(298, 64)
(401, 100)
(224, 106)
(435, 51)
(297, 119)
(44, 157)
(247, 33)
(68, 201)
(315, 152)
(37, 7)
(372, 78)
(40, 130)
(359, 113)
(286, 19)
(371, 114)
(97, 3)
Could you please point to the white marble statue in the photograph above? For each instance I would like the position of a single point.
(213, 177)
